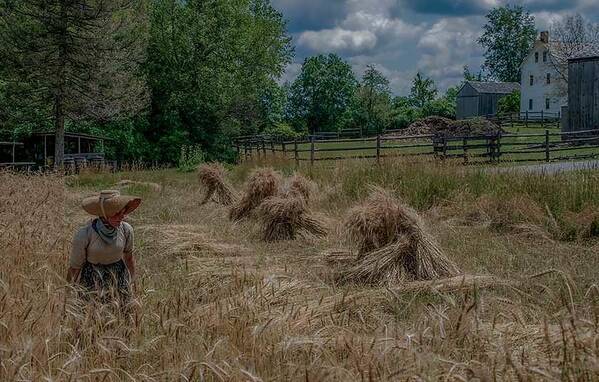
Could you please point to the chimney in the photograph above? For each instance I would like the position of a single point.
(545, 37)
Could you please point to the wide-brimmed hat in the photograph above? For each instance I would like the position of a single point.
(110, 202)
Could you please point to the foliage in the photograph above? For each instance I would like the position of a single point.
(423, 90)
(321, 95)
(509, 103)
(281, 130)
(508, 36)
(404, 113)
(209, 70)
(373, 102)
(71, 60)
(442, 107)
(191, 157)
(468, 76)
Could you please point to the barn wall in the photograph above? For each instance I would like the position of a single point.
(467, 102)
(488, 104)
(467, 107)
(583, 94)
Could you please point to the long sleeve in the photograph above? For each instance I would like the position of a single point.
(129, 246)
(79, 249)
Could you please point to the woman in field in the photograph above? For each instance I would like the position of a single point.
(102, 254)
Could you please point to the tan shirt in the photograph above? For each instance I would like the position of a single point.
(88, 246)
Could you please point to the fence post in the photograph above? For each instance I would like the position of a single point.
(542, 119)
(526, 120)
(272, 146)
(245, 149)
(311, 150)
(498, 148)
(296, 154)
(264, 147)
(284, 148)
(444, 147)
(378, 149)
(465, 148)
(547, 152)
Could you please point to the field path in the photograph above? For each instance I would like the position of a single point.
(550, 168)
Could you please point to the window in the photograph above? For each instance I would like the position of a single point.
(547, 103)
(536, 56)
(548, 78)
(530, 104)
(545, 56)
(532, 80)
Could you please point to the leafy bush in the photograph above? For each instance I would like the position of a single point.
(191, 157)
(509, 103)
(282, 130)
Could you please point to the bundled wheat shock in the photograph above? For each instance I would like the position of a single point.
(216, 187)
(393, 243)
(262, 183)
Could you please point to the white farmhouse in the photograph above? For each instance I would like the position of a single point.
(542, 87)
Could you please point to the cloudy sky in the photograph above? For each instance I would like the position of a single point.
(401, 37)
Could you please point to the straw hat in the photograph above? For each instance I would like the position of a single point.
(109, 202)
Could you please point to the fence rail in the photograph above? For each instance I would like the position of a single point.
(533, 147)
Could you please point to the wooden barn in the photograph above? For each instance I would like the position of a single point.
(583, 94)
(477, 98)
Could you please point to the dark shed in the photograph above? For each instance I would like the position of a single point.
(583, 94)
(477, 98)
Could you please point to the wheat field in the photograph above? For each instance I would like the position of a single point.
(216, 303)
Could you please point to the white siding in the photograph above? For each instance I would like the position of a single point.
(540, 91)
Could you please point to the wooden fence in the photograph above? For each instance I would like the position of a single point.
(531, 147)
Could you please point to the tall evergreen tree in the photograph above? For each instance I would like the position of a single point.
(71, 59)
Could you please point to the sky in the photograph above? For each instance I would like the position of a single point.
(402, 37)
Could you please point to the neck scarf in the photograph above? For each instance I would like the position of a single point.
(106, 232)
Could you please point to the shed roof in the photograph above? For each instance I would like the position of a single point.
(73, 135)
(494, 87)
(584, 58)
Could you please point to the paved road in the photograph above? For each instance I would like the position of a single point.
(551, 168)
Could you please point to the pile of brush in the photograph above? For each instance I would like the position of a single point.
(212, 177)
(262, 184)
(393, 244)
(286, 214)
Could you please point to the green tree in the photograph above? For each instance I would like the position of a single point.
(509, 103)
(322, 94)
(209, 63)
(67, 60)
(403, 112)
(508, 36)
(373, 101)
(423, 90)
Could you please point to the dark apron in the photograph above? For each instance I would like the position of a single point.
(107, 281)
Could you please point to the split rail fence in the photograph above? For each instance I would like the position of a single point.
(521, 147)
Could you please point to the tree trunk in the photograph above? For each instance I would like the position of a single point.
(59, 132)
(59, 112)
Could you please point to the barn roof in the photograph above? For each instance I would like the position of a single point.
(494, 87)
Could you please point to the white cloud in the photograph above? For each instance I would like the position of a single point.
(447, 46)
(338, 39)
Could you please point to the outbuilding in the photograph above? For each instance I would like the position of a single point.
(583, 94)
(477, 98)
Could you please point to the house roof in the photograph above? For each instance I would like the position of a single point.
(494, 87)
